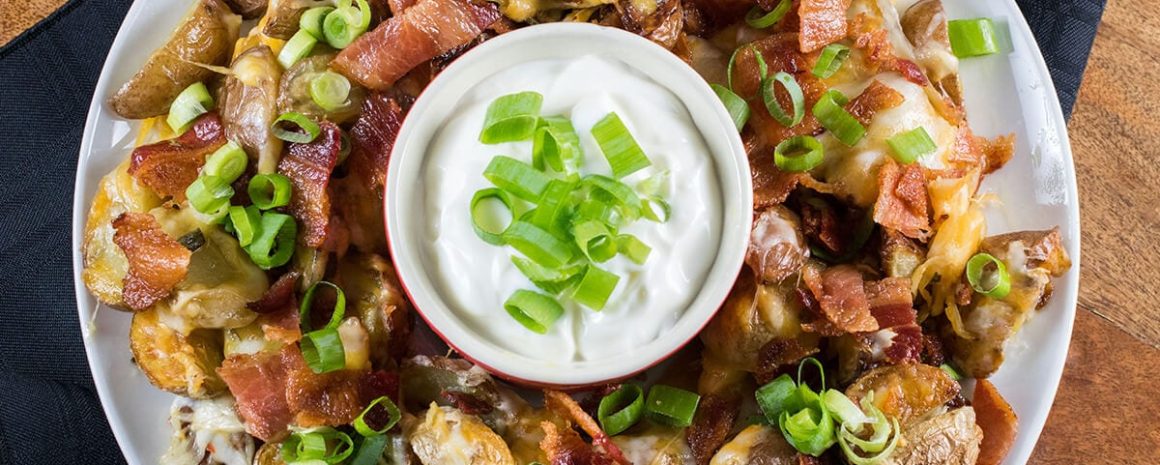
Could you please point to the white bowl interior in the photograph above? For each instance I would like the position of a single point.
(405, 200)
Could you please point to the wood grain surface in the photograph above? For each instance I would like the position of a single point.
(1106, 410)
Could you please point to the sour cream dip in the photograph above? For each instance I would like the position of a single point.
(475, 278)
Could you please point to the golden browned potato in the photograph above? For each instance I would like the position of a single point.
(757, 444)
(249, 106)
(294, 90)
(950, 438)
(269, 454)
(906, 392)
(249, 9)
(447, 436)
(655, 445)
(777, 248)
(374, 295)
(753, 316)
(282, 16)
(206, 37)
(181, 364)
(925, 26)
(105, 263)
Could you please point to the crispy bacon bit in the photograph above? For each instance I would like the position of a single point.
(821, 225)
(258, 382)
(906, 345)
(711, 427)
(359, 195)
(869, 35)
(877, 97)
(567, 448)
(170, 166)
(278, 311)
(777, 248)
(309, 166)
(771, 186)
(398, 6)
(780, 52)
(903, 203)
(841, 300)
(717, 14)
(890, 302)
(997, 420)
(997, 152)
(778, 354)
(823, 22)
(331, 399)
(971, 151)
(563, 404)
(278, 296)
(157, 262)
(423, 31)
(466, 403)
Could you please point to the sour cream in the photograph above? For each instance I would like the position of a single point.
(475, 278)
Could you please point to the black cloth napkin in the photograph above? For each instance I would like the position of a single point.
(49, 411)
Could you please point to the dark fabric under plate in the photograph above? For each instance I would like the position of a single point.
(49, 412)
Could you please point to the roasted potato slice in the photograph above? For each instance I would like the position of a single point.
(950, 438)
(105, 263)
(757, 445)
(249, 106)
(447, 436)
(925, 26)
(753, 316)
(374, 295)
(997, 421)
(206, 37)
(282, 16)
(181, 364)
(907, 392)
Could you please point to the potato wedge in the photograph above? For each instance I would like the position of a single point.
(374, 295)
(249, 106)
(907, 392)
(950, 438)
(105, 263)
(181, 364)
(447, 436)
(206, 37)
(997, 420)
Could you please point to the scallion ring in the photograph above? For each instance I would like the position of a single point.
(209, 194)
(556, 144)
(304, 309)
(736, 106)
(189, 104)
(551, 212)
(831, 113)
(311, 21)
(227, 162)
(972, 37)
(322, 444)
(393, 416)
(757, 18)
(773, 398)
(487, 225)
(624, 155)
(621, 409)
(371, 450)
(512, 117)
(245, 222)
(346, 23)
(516, 177)
(762, 67)
(595, 287)
(671, 406)
(551, 280)
(830, 60)
(906, 147)
(798, 154)
(656, 209)
(296, 127)
(330, 90)
(271, 190)
(951, 371)
(537, 244)
(619, 193)
(533, 310)
(323, 350)
(988, 276)
(797, 99)
(595, 240)
(298, 47)
(633, 248)
(274, 244)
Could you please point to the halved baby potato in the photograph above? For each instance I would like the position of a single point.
(181, 364)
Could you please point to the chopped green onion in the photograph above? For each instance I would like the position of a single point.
(595, 240)
(275, 242)
(595, 287)
(762, 67)
(324, 444)
(552, 207)
(655, 184)
(393, 416)
(830, 113)
(189, 104)
(650, 206)
(295, 127)
(997, 282)
(209, 194)
(759, 19)
(671, 406)
(297, 48)
(737, 107)
(486, 225)
(535, 311)
(972, 37)
(556, 144)
(842, 408)
(810, 430)
(814, 362)
(537, 244)
(633, 248)
(877, 444)
(516, 177)
(797, 100)
(311, 21)
(951, 371)
(911, 145)
(775, 397)
(323, 350)
(551, 280)
(798, 154)
(227, 162)
(621, 409)
(271, 190)
(308, 302)
(330, 90)
(346, 23)
(624, 155)
(618, 192)
(599, 210)
(245, 221)
(370, 451)
(831, 59)
(512, 117)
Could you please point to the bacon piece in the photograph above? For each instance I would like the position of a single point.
(868, 34)
(823, 22)
(903, 203)
(373, 136)
(771, 186)
(466, 402)
(777, 354)
(398, 6)
(170, 166)
(780, 52)
(565, 447)
(906, 344)
(821, 225)
(890, 302)
(327, 399)
(972, 151)
(875, 98)
(997, 420)
(841, 300)
(258, 382)
(309, 166)
(157, 262)
(278, 309)
(564, 404)
(718, 14)
(426, 29)
(711, 427)
(278, 296)
(777, 248)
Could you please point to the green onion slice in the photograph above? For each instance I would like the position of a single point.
(988, 276)
(298, 47)
(671, 406)
(762, 67)
(371, 450)
(831, 59)
(830, 113)
(797, 105)
(209, 194)
(486, 225)
(518, 178)
(324, 444)
(551, 280)
(551, 212)
(595, 240)
(599, 210)
(775, 397)
(393, 416)
(881, 443)
(810, 430)
(346, 23)
(814, 362)
(972, 37)
(308, 302)
(619, 193)
(227, 162)
(759, 19)
(535, 311)
(189, 104)
(633, 248)
(621, 409)
(275, 241)
(295, 127)
(537, 244)
(270, 190)
(245, 222)
(951, 371)
(737, 107)
(798, 154)
(311, 21)
(624, 155)
(330, 90)
(323, 350)
(556, 144)
(656, 209)
(512, 117)
(911, 145)
(842, 408)
(595, 287)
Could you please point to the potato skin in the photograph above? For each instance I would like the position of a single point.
(206, 37)
(105, 263)
(183, 365)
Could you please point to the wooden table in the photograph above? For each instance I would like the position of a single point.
(1107, 410)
